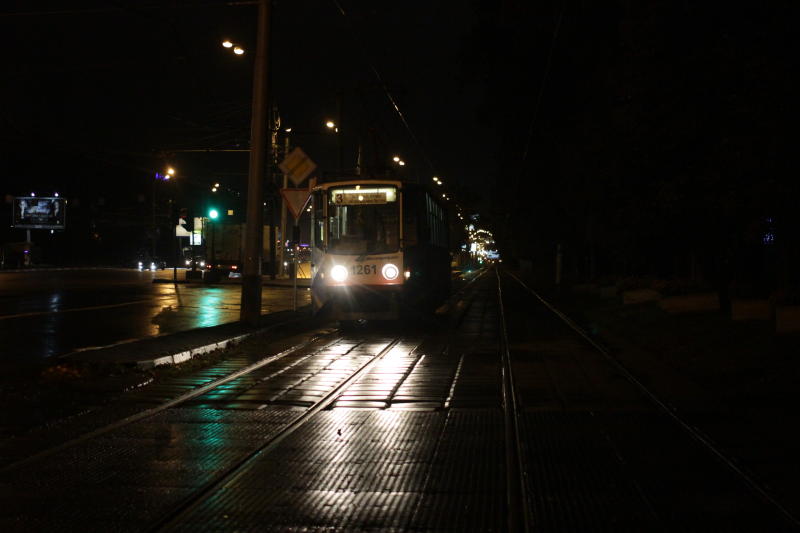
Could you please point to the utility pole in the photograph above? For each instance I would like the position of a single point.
(274, 126)
(339, 132)
(282, 249)
(254, 246)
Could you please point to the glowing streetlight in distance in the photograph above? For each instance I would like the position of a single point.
(396, 159)
(227, 44)
(330, 124)
(401, 163)
(170, 171)
(288, 130)
(238, 50)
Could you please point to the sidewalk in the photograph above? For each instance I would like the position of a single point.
(165, 276)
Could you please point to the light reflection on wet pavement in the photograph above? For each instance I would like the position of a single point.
(48, 314)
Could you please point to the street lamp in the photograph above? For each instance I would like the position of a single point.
(238, 50)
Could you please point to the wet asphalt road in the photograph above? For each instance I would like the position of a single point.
(51, 313)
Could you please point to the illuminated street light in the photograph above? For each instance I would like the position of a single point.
(396, 159)
(227, 44)
(401, 163)
(238, 50)
(330, 124)
(288, 130)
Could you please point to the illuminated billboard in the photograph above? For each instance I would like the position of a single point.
(39, 212)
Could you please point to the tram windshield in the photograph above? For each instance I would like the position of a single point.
(363, 220)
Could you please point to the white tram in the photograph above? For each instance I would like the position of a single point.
(379, 250)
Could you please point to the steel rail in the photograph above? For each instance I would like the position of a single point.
(168, 404)
(239, 468)
(692, 431)
(516, 493)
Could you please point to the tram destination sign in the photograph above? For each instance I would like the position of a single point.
(358, 198)
(39, 212)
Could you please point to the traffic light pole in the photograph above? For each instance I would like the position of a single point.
(254, 247)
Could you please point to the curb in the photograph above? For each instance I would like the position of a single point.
(186, 355)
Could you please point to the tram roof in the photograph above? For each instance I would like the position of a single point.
(327, 185)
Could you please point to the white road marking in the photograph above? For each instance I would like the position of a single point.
(108, 306)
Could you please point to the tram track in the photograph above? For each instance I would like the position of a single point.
(678, 420)
(519, 514)
(210, 443)
(240, 467)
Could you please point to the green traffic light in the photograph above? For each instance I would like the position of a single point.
(213, 214)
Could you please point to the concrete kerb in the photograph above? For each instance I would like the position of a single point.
(185, 355)
(182, 346)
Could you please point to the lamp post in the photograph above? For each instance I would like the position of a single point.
(168, 173)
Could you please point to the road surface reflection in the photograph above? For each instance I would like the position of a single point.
(48, 314)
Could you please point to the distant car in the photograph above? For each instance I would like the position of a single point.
(151, 264)
(195, 263)
(230, 268)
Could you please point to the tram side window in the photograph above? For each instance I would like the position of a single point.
(437, 229)
(410, 219)
(319, 221)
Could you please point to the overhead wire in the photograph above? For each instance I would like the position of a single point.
(392, 100)
(540, 93)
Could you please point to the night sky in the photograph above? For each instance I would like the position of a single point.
(645, 138)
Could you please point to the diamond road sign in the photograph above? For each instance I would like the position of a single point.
(298, 166)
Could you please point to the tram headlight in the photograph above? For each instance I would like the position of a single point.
(390, 271)
(339, 273)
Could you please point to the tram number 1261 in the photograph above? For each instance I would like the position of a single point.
(364, 270)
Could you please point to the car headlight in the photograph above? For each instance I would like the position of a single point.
(339, 273)
(390, 271)
(188, 262)
(202, 263)
(152, 266)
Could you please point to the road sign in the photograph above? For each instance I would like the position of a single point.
(180, 229)
(296, 200)
(297, 166)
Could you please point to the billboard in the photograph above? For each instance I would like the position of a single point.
(39, 212)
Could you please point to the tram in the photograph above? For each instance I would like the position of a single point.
(379, 250)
